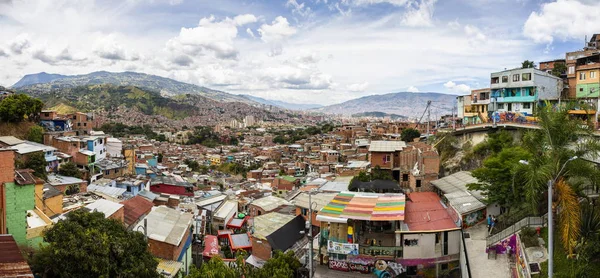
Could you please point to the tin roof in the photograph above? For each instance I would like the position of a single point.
(12, 263)
(225, 209)
(266, 224)
(270, 203)
(386, 146)
(10, 140)
(135, 208)
(107, 207)
(321, 199)
(168, 268)
(458, 182)
(167, 224)
(426, 212)
(240, 241)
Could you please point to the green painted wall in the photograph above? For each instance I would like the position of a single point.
(588, 90)
(19, 199)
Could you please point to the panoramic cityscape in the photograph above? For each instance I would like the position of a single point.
(300, 138)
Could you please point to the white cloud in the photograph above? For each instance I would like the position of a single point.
(63, 57)
(419, 14)
(454, 24)
(297, 78)
(299, 8)
(474, 33)
(563, 19)
(276, 33)
(371, 2)
(358, 87)
(412, 89)
(19, 44)
(457, 88)
(108, 47)
(216, 37)
(250, 33)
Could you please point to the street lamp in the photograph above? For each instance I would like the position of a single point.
(550, 216)
(311, 204)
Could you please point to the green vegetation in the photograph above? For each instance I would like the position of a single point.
(109, 97)
(69, 169)
(204, 135)
(122, 130)
(36, 134)
(559, 69)
(529, 237)
(88, 245)
(281, 265)
(409, 134)
(15, 108)
(528, 64)
(549, 152)
(376, 174)
(36, 162)
(292, 135)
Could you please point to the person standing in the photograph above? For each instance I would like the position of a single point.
(489, 222)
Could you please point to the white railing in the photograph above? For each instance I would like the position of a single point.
(532, 221)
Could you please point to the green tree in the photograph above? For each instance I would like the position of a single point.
(499, 180)
(159, 158)
(559, 69)
(87, 244)
(552, 147)
(15, 108)
(281, 265)
(36, 162)
(409, 134)
(528, 64)
(193, 164)
(278, 139)
(69, 169)
(36, 134)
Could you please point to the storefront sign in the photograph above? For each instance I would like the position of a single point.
(366, 269)
(338, 265)
(342, 248)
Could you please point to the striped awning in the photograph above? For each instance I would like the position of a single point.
(366, 206)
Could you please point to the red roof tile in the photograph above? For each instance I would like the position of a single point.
(425, 212)
(135, 208)
(12, 263)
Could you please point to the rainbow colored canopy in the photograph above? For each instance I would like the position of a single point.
(366, 206)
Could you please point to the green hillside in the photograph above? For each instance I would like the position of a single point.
(109, 97)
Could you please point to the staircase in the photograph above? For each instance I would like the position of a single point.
(483, 117)
(532, 221)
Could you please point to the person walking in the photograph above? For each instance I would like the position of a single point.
(489, 223)
(493, 223)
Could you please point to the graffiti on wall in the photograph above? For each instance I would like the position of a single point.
(509, 244)
(473, 218)
(515, 117)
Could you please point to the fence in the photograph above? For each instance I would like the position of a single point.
(535, 221)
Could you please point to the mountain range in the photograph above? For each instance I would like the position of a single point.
(282, 104)
(44, 83)
(408, 104)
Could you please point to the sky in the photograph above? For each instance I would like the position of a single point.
(300, 51)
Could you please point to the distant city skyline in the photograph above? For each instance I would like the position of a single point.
(301, 51)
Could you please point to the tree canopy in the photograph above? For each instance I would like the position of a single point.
(409, 134)
(528, 64)
(35, 161)
(36, 134)
(87, 244)
(16, 107)
(281, 265)
(69, 169)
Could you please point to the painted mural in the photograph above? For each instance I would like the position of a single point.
(507, 245)
(473, 218)
(513, 117)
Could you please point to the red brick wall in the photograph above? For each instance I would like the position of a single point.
(376, 159)
(167, 251)
(7, 174)
(261, 250)
(119, 215)
(254, 210)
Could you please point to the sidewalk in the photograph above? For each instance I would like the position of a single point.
(480, 265)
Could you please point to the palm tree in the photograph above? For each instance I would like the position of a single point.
(559, 139)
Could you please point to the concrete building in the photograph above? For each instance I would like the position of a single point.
(574, 59)
(517, 92)
(473, 108)
(265, 205)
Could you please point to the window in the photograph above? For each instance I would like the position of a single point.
(582, 76)
(418, 183)
(78, 124)
(500, 105)
(387, 158)
(526, 76)
(495, 80)
(46, 114)
(106, 172)
(505, 79)
(84, 124)
(411, 242)
(516, 77)
(304, 211)
(581, 89)
(593, 75)
(571, 69)
(527, 105)
(404, 177)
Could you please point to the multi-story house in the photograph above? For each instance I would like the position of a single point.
(573, 62)
(517, 92)
(385, 155)
(548, 66)
(480, 100)
(587, 71)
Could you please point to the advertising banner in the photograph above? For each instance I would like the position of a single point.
(342, 248)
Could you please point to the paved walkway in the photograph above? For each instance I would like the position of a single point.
(480, 265)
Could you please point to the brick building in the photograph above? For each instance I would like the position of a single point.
(111, 210)
(275, 231)
(265, 205)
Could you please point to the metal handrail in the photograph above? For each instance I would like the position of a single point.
(525, 222)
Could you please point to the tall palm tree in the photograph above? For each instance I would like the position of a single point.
(560, 138)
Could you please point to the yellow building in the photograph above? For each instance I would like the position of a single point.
(129, 154)
(48, 199)
(215, 159)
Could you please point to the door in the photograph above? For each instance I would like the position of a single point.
(445, 245)
(509, 107)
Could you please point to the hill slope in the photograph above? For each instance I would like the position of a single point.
(404, 103)
(160, 84)
(36, 78)
(282, 104)
(377, 114)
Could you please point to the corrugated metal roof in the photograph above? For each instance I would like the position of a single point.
(240, 241)
(135, 208)
(266, 224)
(464, 202)
(10, 140)
(386, 146)
(167, 224)
(366, 206)
(168, 268)
(321, 199)
(110, 191)
(104, 206)
(270, 203)
(425, 212)
(457, 182)
(12, 263)
(225, 209)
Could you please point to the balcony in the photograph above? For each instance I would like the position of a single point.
(480, 101)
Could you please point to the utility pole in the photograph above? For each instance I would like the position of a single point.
(428, 117)
(310, 240)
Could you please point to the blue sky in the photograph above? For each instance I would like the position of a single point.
(303, 51)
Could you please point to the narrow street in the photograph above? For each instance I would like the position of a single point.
(480, 265)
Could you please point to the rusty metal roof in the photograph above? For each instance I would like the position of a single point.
(12, 263)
